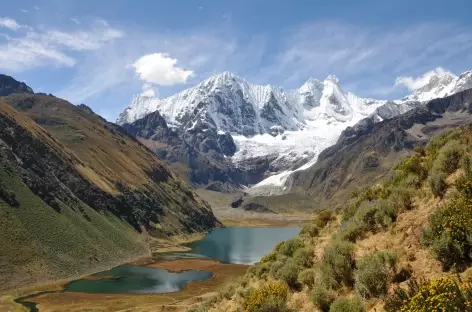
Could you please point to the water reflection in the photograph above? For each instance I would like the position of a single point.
(240, 245)
(134, 279)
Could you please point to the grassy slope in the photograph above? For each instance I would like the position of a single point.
(402, 236)
(39, 244)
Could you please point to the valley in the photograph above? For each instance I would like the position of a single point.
(154, 216)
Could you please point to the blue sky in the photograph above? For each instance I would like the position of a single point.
(101, 53)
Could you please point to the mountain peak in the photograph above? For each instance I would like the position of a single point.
(310, 85)
(9, 85)
(332, 79)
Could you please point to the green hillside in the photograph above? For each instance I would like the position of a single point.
(77, 194)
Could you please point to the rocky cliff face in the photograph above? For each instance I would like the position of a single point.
(368, 150)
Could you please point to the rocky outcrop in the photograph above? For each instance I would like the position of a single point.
(367, 151)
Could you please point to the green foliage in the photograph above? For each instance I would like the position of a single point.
(310, 230)
(290, 246)
(337, 264)
(402, 197)
(448, 157)
(437, 183)
(262, 269)
(275, 267)
(347, 305)
(450, 233)
(322, 297)
(323, 218)
(303, 257)
(371, 217)
(413, 165)
(373, 274)
(289, 273)
(308, 277)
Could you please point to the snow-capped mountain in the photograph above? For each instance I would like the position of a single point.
(288, 128)
(237, 106)
(442, 85)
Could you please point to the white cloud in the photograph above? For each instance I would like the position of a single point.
(414, 83)
(24, 11)
(370, 56)
(52, 47)
(9, 23)
(149, 90)
(160, 69)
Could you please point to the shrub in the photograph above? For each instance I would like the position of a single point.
(303, 257)
(464, 186)
(324, 217)
(337, 264)
(450, 233)
(290, 246)
(262, 269)
(443, 294)
(466, 164)
(308, 277)
(448, 157)
(402, 198)
(227, 291)
(289, 273)
(437, 183)
(373, 274)
(270, 257)
(322, 298)
(310, 230)
(386, 213)
(275, 267)
(412, 165)
(351, 230)
(347, 305)
(272, 305)
(266, 295)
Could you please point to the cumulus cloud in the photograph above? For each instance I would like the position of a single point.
(414, 83)
(9, 23)
(160, 69)
(149, 90)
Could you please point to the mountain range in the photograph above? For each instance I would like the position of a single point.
(258, 135)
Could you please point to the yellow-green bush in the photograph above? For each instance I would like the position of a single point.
(443, 294)
(289, 273)
(448, 157)
(308, 277)
(450, 233)
(322, 297)
(290, 246)
(303, 257)
(337, 264)
(269, 293)
(310, 230)
(373, 273)
(437, 183)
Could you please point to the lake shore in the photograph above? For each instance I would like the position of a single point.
(174, 301)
